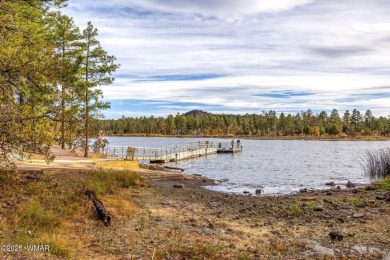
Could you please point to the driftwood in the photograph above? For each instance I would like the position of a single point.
(100, 210)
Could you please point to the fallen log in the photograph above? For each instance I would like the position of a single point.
(174, 168)
(99, 207)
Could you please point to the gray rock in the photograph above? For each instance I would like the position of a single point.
(303, 190)
(317, 248)
(246, 192)
(252, 250)
(258, 192)
(350, 185)
(387, 196)
(365, 249)
(330, 183)
(319, 208)
(205, 231)
(214, 204)
(179, 186)
(166, 202)
(358, 215)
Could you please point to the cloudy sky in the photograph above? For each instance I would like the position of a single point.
(243, 56)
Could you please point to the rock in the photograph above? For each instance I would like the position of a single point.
(358, 215)
(365, 249)
(252, 250)
(330, 183)
(329, 193)
(246, 192)
(303, 190)
(205, 231)
(380, 197)
(229, 230)
(198, 175)
(335, 235)
(33, 177)
(317, 248)
(204, 180)
(319, 208)
(338, 188)
(29, 233)
(350, 185)
(214, 204)
(362, 205)
(258, 192)
(166, 202)
(178, 186)
(387, 196)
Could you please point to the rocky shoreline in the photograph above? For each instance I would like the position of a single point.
(352, 223)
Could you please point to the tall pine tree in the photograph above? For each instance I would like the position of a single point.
(97, 67)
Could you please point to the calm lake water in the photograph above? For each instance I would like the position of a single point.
(275, 166)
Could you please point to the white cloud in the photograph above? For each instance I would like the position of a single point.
(331, 48)
(220, 8)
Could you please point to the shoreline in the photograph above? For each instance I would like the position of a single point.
(202, 223)
(287, 138)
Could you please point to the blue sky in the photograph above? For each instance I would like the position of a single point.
(243, 56)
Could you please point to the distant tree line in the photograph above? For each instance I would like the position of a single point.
(306, 123)
(50, 73)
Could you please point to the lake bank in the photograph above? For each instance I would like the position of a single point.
(180, 219)
(327, 138)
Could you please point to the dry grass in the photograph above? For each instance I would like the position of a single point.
(53, 210)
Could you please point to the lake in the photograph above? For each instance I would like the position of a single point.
(274, 166)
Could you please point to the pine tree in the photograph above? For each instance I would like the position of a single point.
(97, 67)
(67, 39)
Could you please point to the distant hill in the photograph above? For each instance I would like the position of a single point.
(197, 112)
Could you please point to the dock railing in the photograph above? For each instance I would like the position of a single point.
(171, 153)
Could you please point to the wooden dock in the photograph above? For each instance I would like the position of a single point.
(170, 154)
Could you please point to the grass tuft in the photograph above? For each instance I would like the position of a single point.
(382, 185)
(107, 181)
(34, 216)
(378, 163)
